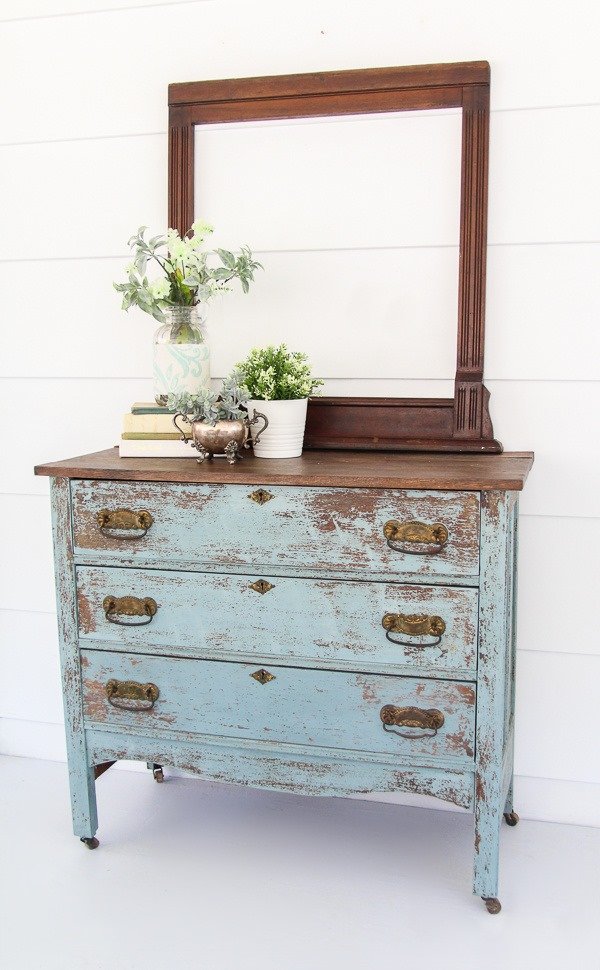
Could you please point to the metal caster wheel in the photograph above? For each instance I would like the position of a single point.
(492, 905)
(511, 818)
(157, 771)
(91, 843)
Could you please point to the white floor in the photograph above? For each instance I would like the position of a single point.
(196, 875)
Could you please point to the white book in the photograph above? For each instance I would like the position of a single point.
(153, 448)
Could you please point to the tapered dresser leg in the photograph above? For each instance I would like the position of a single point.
(487, 846)
(83, 800)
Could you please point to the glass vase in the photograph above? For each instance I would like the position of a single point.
(181, 353)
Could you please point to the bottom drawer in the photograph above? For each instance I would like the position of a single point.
(294, 706)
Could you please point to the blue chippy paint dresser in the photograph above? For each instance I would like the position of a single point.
(337, 623)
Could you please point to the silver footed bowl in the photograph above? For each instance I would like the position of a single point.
(226, 438)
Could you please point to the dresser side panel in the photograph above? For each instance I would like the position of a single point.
(81, 776)
(494, 642)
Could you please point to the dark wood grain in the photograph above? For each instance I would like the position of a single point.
(461, 424)
(389, 424)
(346, 469)
(331, 82)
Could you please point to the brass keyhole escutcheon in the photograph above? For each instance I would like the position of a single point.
(261, 586)
(260, 496)
(262, 676)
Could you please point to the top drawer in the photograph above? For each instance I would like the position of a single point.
(351, 530)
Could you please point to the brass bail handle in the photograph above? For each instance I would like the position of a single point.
(414, 625)
(399, 535)
(256, 417)
(427, 722)
(120, 692)
(129, 606)
(120, 523)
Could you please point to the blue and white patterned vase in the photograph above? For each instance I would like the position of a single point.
(181, 353)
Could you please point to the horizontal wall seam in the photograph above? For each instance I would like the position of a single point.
(570, 781)
(100, 10)
(163, 133)
(330, 249)
(326, 377)
(8, 609)
(520, 650)
(522, 515)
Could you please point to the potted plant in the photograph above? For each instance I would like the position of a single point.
(178, 298)
(220, 423)
(279, 383)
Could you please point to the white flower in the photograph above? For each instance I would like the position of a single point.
(160, 289)
(178, 248)
(201, 229)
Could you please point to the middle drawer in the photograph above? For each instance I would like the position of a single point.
(360, 625)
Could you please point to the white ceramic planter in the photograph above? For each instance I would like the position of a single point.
(284, 436)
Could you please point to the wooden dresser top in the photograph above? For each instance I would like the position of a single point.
(346, 469)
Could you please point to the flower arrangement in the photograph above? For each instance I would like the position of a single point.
(188, 277)
(277, 374)
(211, 407)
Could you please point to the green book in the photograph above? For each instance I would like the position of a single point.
(148, 407)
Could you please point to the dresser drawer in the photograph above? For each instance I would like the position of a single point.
(287, 619)
(357, 530)
(297, 706)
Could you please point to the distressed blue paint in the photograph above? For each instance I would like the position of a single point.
(298, 620)
(308, 771)
(323, 528)
(81, 774)
(509, 747)
(323, 708)
(494, 645)
(316, 728)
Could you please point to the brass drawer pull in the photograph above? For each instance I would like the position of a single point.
(417, 533)
(413, 625)
(118, 606)
(119, 692)
(427, 722)
(116, 524)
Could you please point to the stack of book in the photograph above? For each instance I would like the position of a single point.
(149, 432)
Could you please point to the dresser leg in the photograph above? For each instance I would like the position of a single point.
(487, 842)
(83, 802)
(493, 690)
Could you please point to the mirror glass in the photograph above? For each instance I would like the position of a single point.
(356, 221)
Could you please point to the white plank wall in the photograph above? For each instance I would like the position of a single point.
(83, 163)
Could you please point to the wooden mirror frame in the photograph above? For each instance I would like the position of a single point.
(457, 424)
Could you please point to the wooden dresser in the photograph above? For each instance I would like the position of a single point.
(337, 623)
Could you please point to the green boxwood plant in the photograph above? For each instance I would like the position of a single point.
(277, 374)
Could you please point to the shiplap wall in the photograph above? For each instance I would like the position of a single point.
(83, 163)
